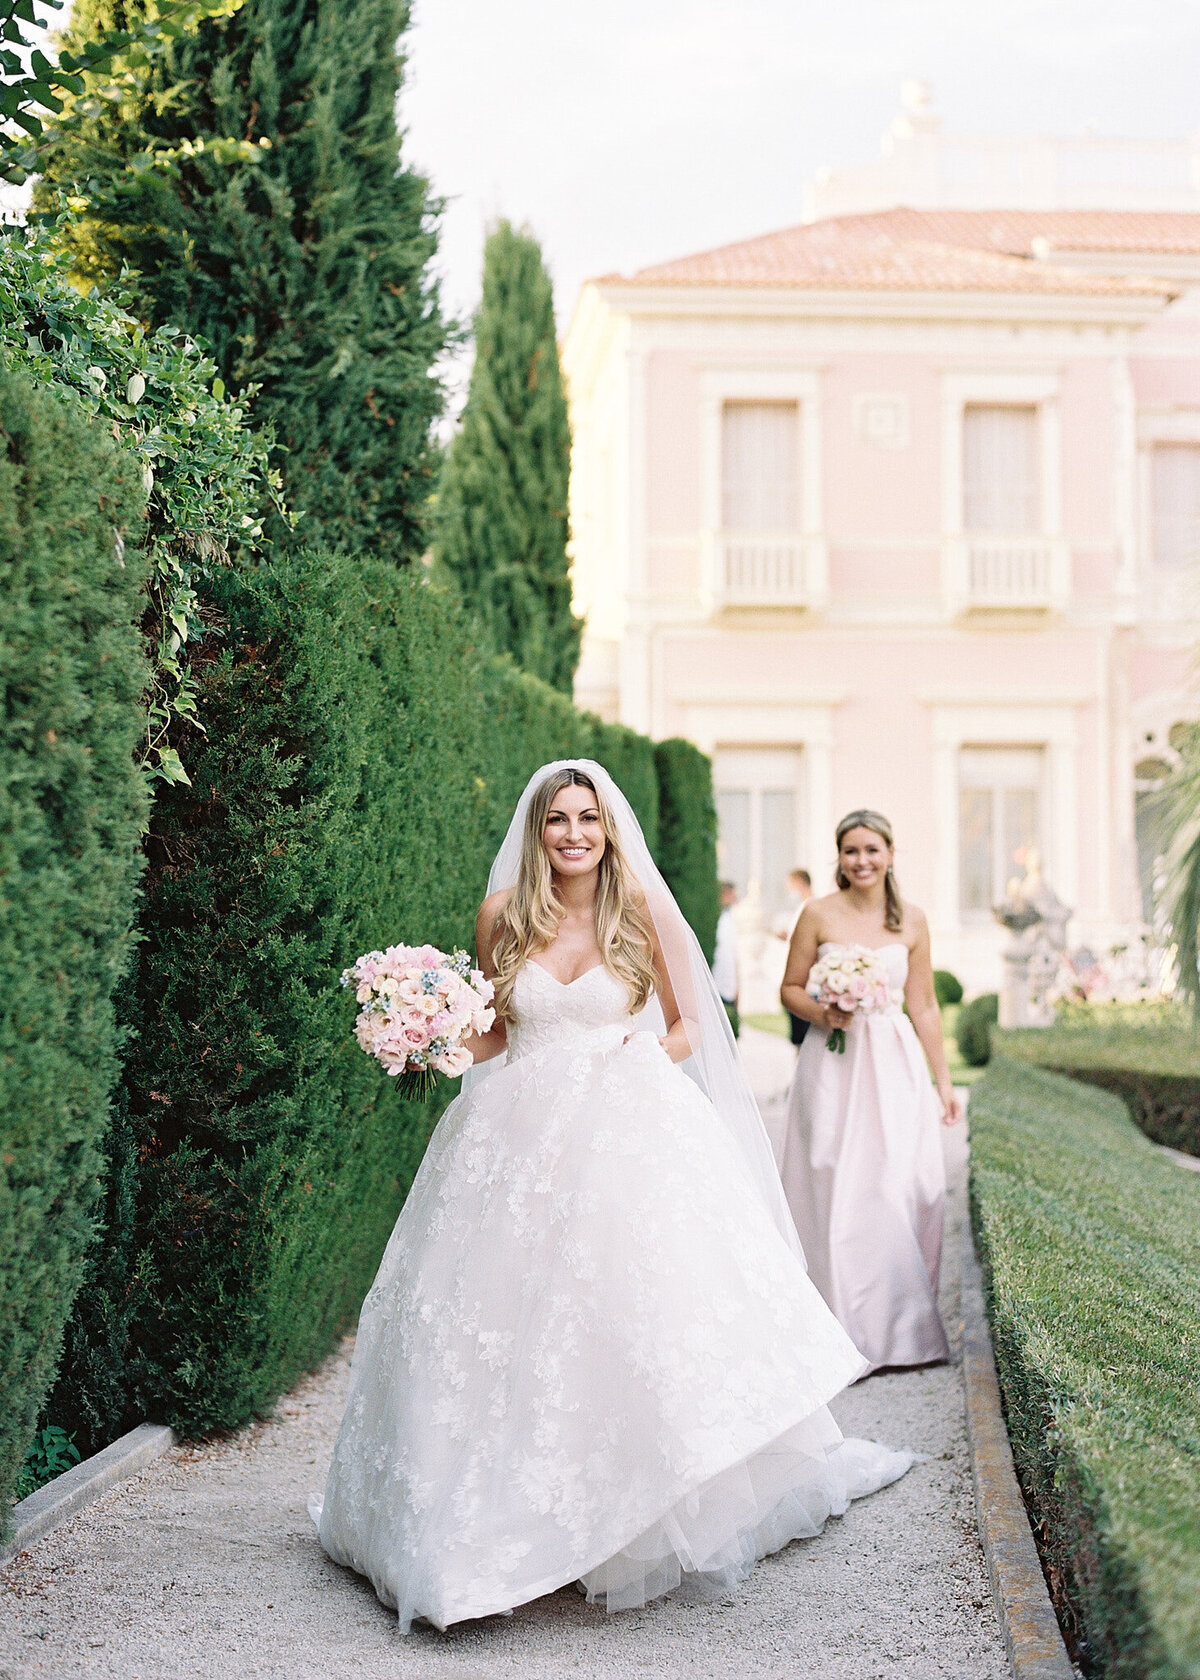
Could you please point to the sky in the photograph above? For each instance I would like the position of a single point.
(639, 130)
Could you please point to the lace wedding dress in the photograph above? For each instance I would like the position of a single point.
(589, 1353)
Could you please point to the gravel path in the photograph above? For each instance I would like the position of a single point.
(206, 1565)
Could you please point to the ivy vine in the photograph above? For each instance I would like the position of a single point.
(204, 468)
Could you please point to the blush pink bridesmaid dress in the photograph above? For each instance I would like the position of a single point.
(863, 1172)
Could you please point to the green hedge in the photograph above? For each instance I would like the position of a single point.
(687, 850)
(1090, 1241)
(72, 806)
(1148, 1054)
(360, 764)
(158, 396)
(947, 987)
(973, 1028)
(630, 760)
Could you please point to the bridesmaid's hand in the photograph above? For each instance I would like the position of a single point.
(832, 1018)
(952, 1106)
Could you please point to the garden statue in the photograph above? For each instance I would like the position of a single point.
(1037, 919)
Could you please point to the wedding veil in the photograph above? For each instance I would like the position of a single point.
(714, 1063)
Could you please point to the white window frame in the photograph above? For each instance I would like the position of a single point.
(714, 719)
(1167, 594)
(801, 386)
(1050, 726)
(983, 913)
(962, 389)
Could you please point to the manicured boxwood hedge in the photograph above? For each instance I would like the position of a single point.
(1148, 1054)
(360, 764)
(72, 805)
(1090, 1240)
(687, 846)
(974, 1026)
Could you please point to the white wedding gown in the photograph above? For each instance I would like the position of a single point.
(589, 1353)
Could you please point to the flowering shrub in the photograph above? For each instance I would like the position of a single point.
(204, 471)
(1131, 973)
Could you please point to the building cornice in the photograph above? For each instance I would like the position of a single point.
(794, 302)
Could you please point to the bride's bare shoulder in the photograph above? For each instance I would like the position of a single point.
(489, 912)
(492, 906)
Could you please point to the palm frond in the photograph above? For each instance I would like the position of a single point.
(1180, 810)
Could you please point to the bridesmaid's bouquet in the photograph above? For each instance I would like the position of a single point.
(853, 978)
(417, 1006)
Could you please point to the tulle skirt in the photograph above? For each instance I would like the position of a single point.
(589, 1355)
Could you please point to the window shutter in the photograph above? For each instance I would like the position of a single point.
(760, 446)
(1000, 798)
(1176, 504)
(1001, 491)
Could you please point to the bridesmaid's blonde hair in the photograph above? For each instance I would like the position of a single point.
(893, 912)
(530, 919)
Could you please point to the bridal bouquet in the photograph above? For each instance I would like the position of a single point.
(417, 1006)
(853, 978)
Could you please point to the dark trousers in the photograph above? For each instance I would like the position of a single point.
(799, 1027)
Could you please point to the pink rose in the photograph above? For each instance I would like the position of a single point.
(415, 1038)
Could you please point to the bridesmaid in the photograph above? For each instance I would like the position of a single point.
(862, 1159)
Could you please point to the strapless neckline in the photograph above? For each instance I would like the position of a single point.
(850, 944)
(565, 984)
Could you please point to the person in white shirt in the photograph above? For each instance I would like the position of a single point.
(800, 890)
(725, 959)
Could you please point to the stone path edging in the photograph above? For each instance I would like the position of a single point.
(77, 1487)
(1191, 1162)
(1027, 1620)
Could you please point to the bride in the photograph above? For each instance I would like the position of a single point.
(592, 1352)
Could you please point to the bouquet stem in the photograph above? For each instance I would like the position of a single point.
(837, 1040)
(417, 1083)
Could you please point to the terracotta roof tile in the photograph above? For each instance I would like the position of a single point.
(939, 250)
(1158, 232)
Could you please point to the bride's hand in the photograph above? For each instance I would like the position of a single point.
(629, 1038)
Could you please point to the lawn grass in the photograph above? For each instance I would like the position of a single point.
(1148, 1054)
(776, 1022)
(1090, 1241)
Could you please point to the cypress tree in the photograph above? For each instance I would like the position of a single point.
(250, 173)
(503, 528)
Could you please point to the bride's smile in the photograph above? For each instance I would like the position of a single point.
(573, 835)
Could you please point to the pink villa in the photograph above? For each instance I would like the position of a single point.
(900, 507)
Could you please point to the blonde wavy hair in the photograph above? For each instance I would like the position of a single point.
(530, 919)
(893, 910)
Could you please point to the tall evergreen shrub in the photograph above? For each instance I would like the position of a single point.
(361, 760)
(156, 395)
(687, 842)
(503, 526)
(629, 759)
(251, 175)
(72, 805)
